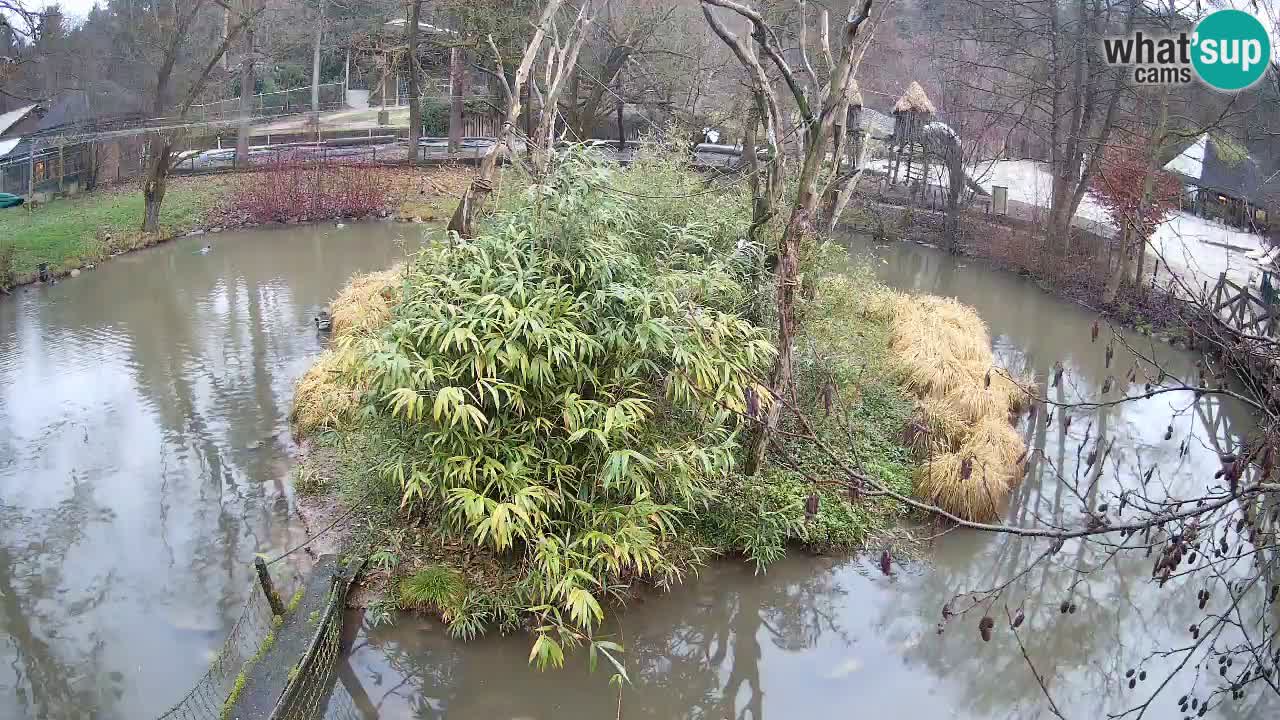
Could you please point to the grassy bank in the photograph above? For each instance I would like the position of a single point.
(550, 417)
(72, 232)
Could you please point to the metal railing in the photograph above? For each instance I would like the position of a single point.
(281, 102)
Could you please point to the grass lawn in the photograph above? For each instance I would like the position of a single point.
(71, 232)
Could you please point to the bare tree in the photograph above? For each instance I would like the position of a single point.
(411, 31)
(315, 59)
(818, 112)
(558, 68)
(1051, 77)
(625, 34)
(473, 200)
(174, 23)
(248, 79)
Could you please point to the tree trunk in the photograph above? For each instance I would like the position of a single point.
(1117, 273)
(473, 200)
(955, 189)
(622, 125)
(457, 88)
(1149, 183)
(1141, 252)
(154, 185)
(565, 62)
(1058, 221)
(528, 123)
(786, 277)
(246, 97)
(315, 62)
(415, 110)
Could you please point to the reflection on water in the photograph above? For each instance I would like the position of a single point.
(817, 637)
(144, 454)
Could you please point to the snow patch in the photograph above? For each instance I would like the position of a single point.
(8, 119)
(1190, 162)
(1197, 250)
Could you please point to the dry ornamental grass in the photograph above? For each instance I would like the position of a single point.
(330, 392)
(972, 450)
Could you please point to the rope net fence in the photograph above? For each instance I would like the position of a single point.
(308, 695)
(206, 700)
(312, 691)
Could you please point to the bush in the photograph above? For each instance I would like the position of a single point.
(556, 396)
(297, 190)
(562, 392)
(435, 117)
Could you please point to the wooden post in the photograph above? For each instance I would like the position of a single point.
(528, 121)
(268, 588)
(62, 169)
(31, 171)
(622, 132)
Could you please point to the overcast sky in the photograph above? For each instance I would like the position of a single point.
(78, 9)
(1266, 10)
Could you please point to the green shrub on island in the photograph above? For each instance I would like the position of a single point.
(559, 403)
(563, 390)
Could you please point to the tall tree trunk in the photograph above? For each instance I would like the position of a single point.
(457, 87)
(786, 278)
(1149, 183)
(246, 94)
(1058, 221)
(955, 190)
(155, 183)
(415, 107)
(622, 125)
(1119, 271)
(315, 62)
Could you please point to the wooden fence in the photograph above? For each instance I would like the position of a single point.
(1242, 308)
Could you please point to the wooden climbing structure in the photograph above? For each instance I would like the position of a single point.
(911, 113)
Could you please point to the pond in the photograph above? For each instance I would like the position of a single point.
(144, 459)
(832, 637)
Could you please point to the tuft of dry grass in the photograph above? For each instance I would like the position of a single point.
(364, 305)
(329, 394)
(962, 424)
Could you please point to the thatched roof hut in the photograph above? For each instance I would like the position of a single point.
(855, 96)
(912, 112)
(914, 100)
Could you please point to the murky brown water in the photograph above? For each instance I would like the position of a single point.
(143, 460)
(144, 453)
(826, 638)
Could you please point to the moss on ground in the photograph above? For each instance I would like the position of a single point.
(242, 679)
